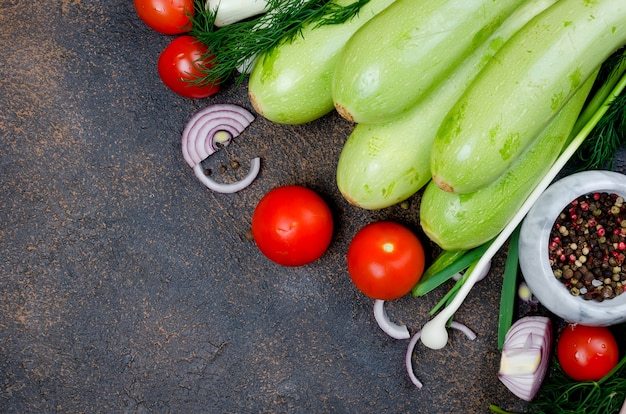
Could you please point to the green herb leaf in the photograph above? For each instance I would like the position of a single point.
(561, 394)
(238, 44)
(509, 288)
(599, 148)
(451, 263)
(609, 135)
(443, 260)
(449, 296)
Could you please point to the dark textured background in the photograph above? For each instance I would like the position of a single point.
(126, 286)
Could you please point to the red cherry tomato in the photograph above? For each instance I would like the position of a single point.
(385, 260)
(587, 352)
(292, 225)
(166, 16)
(179, 66)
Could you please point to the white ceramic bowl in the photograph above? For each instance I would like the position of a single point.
(533, 250)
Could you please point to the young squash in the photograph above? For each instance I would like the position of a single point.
(396, 58)
(464, 221)
(521, 90)
(291, 84)
(382, 164)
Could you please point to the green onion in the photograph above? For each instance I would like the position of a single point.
(445, 267)
(449, 296)
(446, 258)
(509, 287)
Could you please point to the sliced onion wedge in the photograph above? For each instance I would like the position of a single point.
(526, 356)
(392, 329)
(415, 339)
(207, 130)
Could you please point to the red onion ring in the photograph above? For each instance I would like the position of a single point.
(415, 339)
(201, 136)
(255, 167)
(463, 329)
(393, 330)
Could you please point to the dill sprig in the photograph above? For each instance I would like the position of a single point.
(235, 47)
(600, 147)
(560, 394)
(609, 135)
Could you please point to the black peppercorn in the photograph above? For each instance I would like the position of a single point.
(588, 246)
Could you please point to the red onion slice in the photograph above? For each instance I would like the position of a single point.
(392, 329)
(463, 329)
(206, 129)
(255, 166)
(206, 122)
(407, 359)
(415, 339)
(526, 356)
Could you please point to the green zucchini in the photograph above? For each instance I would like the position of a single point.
(520, 91)
(397, 57)
(464, 221)
(382, 164)
(291, 84)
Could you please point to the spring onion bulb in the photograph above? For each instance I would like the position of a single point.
(390, 328)
(413, 342)
(526, 356)
(228, 12)
(233, 11)
(208, 130)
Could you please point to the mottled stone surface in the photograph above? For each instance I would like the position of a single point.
(126, 286)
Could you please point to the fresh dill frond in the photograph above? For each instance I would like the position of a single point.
(612, 64)
(234, 47)
(600, 147)
(560, 394)
(599, 150)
